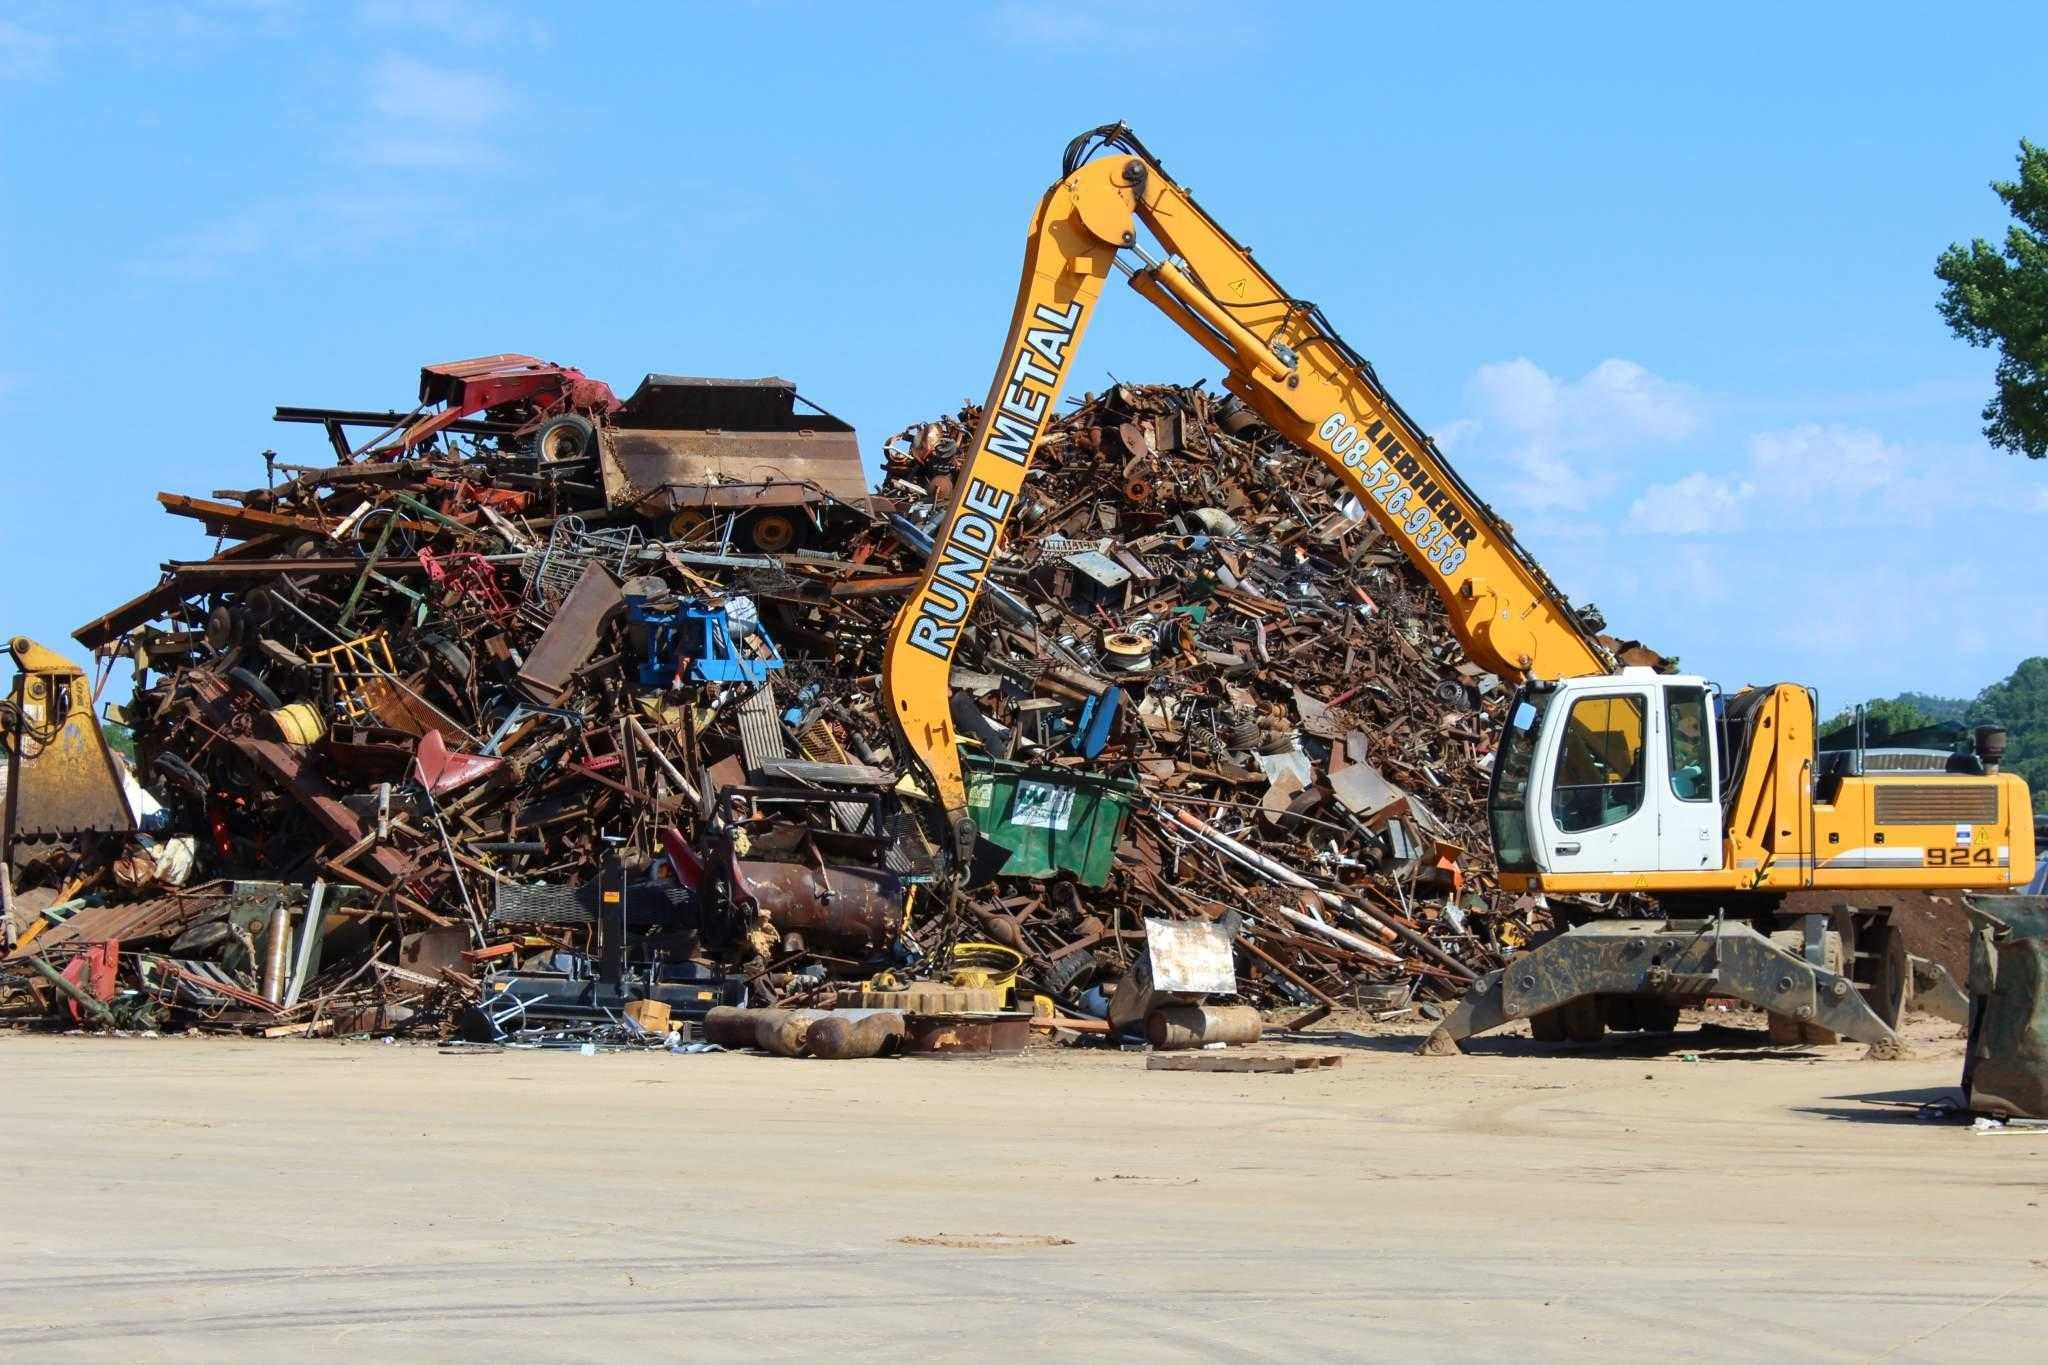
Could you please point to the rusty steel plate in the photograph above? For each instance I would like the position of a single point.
(967, 1035)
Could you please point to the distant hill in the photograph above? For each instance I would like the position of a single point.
(1937, 708)
(2018, 701)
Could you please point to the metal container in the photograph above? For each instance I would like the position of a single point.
(1176, 1028)
(968, 1035)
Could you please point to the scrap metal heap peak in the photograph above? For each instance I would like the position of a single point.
(513, 709)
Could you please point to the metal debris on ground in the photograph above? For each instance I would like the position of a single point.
(526, 709)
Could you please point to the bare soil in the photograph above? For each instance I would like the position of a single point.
(1934, 926)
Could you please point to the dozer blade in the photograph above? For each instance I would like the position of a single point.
(1662, 958)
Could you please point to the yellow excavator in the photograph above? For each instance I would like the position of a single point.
(1607, 779)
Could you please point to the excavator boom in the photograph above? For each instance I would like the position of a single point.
(1283, 359)
(1606, 780)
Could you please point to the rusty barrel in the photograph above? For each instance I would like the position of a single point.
(1178, 1027)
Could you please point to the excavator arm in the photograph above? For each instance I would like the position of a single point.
(1283, 359)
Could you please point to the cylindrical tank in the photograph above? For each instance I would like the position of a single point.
(277, 944)
(1179, 1027)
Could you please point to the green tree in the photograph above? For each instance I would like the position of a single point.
(2020, 704)
(1881, 720)
(119, 738)
(1938, 709)
(2000, 298)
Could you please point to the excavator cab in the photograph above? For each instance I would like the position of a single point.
(1653, 783)
(1612, 774)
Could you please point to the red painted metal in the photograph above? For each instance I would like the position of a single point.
(468, 575)
(443, 770)
(93, 971)
(467, 387)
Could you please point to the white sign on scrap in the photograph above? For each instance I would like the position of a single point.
(1190, 956)
(1041, 805)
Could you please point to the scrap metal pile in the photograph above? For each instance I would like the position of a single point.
(535, 703)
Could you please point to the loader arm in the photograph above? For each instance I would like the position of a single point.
(1284, 360)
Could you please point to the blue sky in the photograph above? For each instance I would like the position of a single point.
(1659, 278)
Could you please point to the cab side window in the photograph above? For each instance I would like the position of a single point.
(1687, 739)
(1599, 779)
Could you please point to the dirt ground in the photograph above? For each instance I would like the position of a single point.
(1935, 927)
(178, 1199)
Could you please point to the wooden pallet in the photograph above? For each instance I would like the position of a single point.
(1223, 1061)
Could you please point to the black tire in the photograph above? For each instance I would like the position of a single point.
(255, 687)
(451, 656)
(1585, 1019)
(183, 773)
(1069, 974)
(564, 438)
(1657, 1016)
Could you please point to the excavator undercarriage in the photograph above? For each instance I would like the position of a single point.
(1819, 976)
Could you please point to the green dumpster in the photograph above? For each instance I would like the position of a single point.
(1051, 821)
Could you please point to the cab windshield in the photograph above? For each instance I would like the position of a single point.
(1507, 805)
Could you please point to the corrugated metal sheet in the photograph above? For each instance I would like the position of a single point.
(761, 734)
(158, 917)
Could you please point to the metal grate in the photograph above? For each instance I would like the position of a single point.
(551, 573)
(1937, 803)
(539, 905)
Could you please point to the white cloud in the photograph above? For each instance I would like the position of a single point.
(1559, 437)
(1691, 505)
(1812, 461)
(408, 89)
(412, 116)
(432, 117)
(1791, 476)
(1450, 434)
(24, 53)
(1615, 401)
(1623, 487)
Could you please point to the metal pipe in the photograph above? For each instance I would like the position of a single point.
(1251, 946)
(476, 924)
(276, 945)
(1335, 935)
(1288, 877)
(1250, 857)
(85, 1002)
